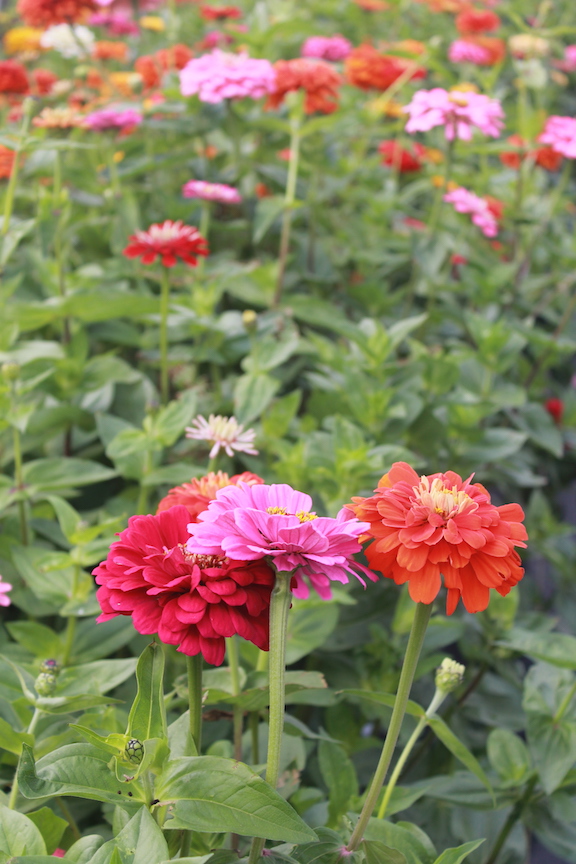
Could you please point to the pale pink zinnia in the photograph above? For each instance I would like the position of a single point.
(560, 133)
(250, 522)
(458, 111)
(113, 118)
(211, 192)
(220, 75)
(223, 432)
(115, 24)
(333, 48)
(5, 587)
(462, 51)
(478, 208)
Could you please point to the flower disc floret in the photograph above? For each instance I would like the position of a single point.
(167, 241)
(220, 75)
(429, 527)
(458, 111)
(248, 522)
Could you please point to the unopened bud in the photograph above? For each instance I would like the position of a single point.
(11, 371)
(50, 666)
(249, 320)
(134, 751)
(449, 675)
(45, 684)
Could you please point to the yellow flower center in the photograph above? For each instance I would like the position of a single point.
(442, 500)
(303, 515)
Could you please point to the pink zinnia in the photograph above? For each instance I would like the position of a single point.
(462, 51)
(5, 587)
(333, 48)
(465, 201)
(560, 133)
(458, 111)
(112, 118)
(116, 25)
(127, 5)
(219, 75)
(211, 192)
(249, 522)
(568, 64)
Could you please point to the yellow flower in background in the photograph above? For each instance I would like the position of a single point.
(523, 45)
(465, 87)
(384, 106)
(21, 39)
(152, 22)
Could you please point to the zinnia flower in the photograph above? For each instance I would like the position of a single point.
(545, 156)
(153, 66)
(217, 13)
(524, 45)
(248, 522)
(13, 77)
(44, 81)
(481, 212)
(560, 133)
(112, 118)
(318, 79)
(332, 48)
(45, 13)
(197, 494)
(211, 192)
(368, 69)
(167, 241)
(427, 527)
(58, 118)
(7, 157)
(223, 432)
(126, 6)
(400, 158)
(477, 21)
(115, 24)
(105, 50)
(555, 407)
(568, 64)
(20, 39)
(190, 599)
(5, 587)
(465, 51)
(71, 41)
(458, 111)
(220, 75)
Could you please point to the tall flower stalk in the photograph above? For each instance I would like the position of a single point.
(296, 112)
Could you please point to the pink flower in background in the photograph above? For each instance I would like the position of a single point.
(465, 201)
(250, 522)
(568, 64)
(333, 48)
(211, 192)
(223, 432)
(112, 118)
(116, 25)
(127, 5)
(462, 51)
(214, 39)
(560, 133)
(5, 587)
(220, 75)
(59, 853)
(457, 110)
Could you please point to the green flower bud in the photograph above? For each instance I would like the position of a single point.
(10, 371)
(45, 684)
(134, 751)
(50, 666)
(250, 320)
(449, 675)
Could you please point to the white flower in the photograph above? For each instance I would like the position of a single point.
(224, 432)
(70, 41)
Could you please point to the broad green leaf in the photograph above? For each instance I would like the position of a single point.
(214, 794)
(339, 776)
(39, 640)
(508, 756)
(16, 232)
(18, 834)
(82, 852)
(51, 826)
(387, 699)
(552, 746)
(415, 849)
(327, 849)
(148, 715)
(309, 624)
(47, 475)
(378, 853)
(457, 854)
(559, 649)
(459, 750)
(140, 842)
(267, 211)
(11, 740)
(253, 394)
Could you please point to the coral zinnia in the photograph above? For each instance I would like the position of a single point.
(191, 600)
(316, 77)
(216, 13)
(7, 157)
(545, 157)
(45, 13)
(477, 21)
(368, 69)
(13, 77)
(248, 522)
(440, 525)
(167, 241)
(197, 494)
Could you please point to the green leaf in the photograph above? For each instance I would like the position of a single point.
(82, 852)
(47, 475)
(51, 826)
(387, 699)
(309, 624)
(18, 834)
(148, 715)
(559, 649)
(458, 853)
(553, 748)
(214, 794)
(378, 853)
(327, 850)
(339, 776)
(16, 232)
(140, 842)
(459, 750)
(540, 427)
(39, 640)
(415, 847)
(11, 740)
(267, 211)
(252, 395)
(508, 756)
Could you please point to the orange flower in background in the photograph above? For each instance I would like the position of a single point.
(408, 46)
(153, 66)
(317, 78)
(477, 21)
(368, 69)
(495, 47)
(45, 13)
(429, 527)
(545, 157)
(372, 5)
(453, 6)
(197, 494)
(106, 50)
(6, 162)
(13, 77)
(217, 13)
(21, 39)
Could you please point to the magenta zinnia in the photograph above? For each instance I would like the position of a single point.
(190, 600)
(249, 522)
(459, 111)
(167, 241)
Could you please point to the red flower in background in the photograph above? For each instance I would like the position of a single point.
(6, 162)
(317, 78)
(477, 21)
(44, 81)
(191, 600)
(555, 408)
(13, 77)
(368, 69)
(400, 158)
(545, 157)
(197, 494)
(216, 13)
(425, 528)
(167, 241)
(45, 13)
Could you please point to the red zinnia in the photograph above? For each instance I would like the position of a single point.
(400, 158)
(193, 601)
(45, 13)
(215, 13)
(13, 77)
(368, 69)
(44, 81)
(197, 494)
(545, 157)
(319, 79)
(477, 21)
(555, 408)
(168, 241)
(427, 527)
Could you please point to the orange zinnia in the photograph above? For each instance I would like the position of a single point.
(317, 78)
(368, 69)
(197, 494)
(107, 50)
(440, 525)
(6, 161)
(45, 13)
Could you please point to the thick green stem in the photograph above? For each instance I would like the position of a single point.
(194, 669)
(279, 608)
(31, 729)
(164, 303)
(289, 198)
(515, 814)
(417, 633)
(11, 190)
(233, 662)
(204, 229)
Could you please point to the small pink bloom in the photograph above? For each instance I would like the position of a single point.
(568, 64)
(220, 75)
(211, 192)
(251, 522)
(115, 24)
(560, 133)
(5, 587)
(457, 110)
(333, 48)
(112, 118)
(465, 201)
(462, 51)
(59, 853)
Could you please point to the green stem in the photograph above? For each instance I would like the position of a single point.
(441, 191)
(564, 705)
(254, 722)
(194, 669)
(279, 608)
(289, 198)
(113, 170)
(204, 229)
(417, 633)
(11, 190)
(30, 730)
(164, 303)
(232, 650)
(72, 620)
(515, 814)
(19, 484)
(69, 818)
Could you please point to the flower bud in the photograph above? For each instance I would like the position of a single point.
(134, 751)
(250, 320)
(10, 371)
(50, 666)
(45, 684)
(449, 675)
